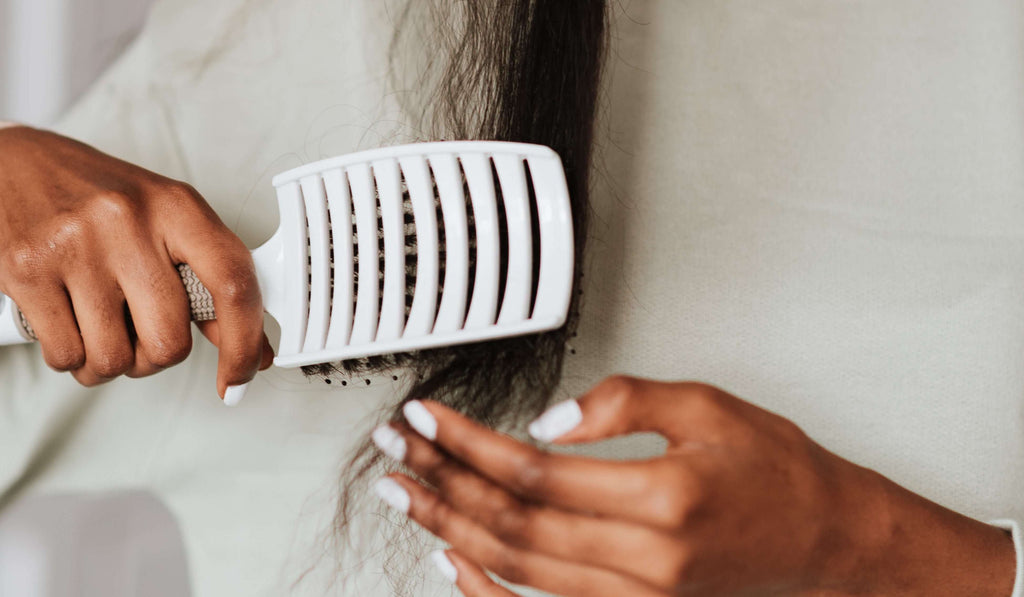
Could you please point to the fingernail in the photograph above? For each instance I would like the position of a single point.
(390, 442)
(557, 421)
(393, 494)
(444, 565)
(421, 420)
(234, 394)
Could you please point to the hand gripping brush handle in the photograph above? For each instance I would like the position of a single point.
(336, 298)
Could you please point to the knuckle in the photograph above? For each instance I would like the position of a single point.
(181, 192)
(508, 564)
(241, 362)
(238, 288)
(433, 466)
(433, 515)
(113, 206)
(111, 363)
(704, 398)
(702, 392)
(621, 388)
(69, 234)
(57, 241)
(512, 523)
(531, 473)
(168, 350)
(23, 262)
(675, 510)
(791, 433)
(676, 500)
(179, 196)
(64, 357)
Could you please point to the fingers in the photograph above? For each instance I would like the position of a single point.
(631, 491)
(160, 315)
(620, 405)
(157, 334)
(225, 266)
(514, 565)
(99, 309)
(268, 354)
(211, 331)
(600, 542)
(469, 577)
(53, 321)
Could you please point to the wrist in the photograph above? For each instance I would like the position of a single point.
(852, 548)
(900, 543)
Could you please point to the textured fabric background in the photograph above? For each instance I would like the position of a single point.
(815, 205)
(818, 206)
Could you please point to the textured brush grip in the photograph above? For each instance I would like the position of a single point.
(200, 302)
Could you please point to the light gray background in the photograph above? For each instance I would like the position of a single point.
(110, 545)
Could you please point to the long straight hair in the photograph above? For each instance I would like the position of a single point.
(508, 70)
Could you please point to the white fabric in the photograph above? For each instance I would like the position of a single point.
(814, 205)
(1018, 545)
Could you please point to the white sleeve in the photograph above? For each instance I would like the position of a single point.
(1014, 528)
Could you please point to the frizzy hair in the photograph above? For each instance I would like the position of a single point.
(508, 70)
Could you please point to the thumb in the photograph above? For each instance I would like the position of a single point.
(211, 330)
(619, 405)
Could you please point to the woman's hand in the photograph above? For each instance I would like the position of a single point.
(742, 503)
(88, 250)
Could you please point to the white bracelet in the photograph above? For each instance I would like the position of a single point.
(1014, 528)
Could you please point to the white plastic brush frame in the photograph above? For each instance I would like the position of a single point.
(335, 197)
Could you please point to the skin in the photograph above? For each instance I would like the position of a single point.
(741, 503)
(88, 249)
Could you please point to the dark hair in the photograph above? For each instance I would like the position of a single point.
(509, 70)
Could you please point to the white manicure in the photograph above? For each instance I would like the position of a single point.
(421, 420)
(234, 394)
(393, 494)
(557, 421)
(444, 565)
(390, 442)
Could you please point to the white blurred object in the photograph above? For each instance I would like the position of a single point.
(52, 50)
(110, 545)
(23, 563)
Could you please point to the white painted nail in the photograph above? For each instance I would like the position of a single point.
(390, 442)
(421, 420)
(393, 494)
(234, 394)
(444, 565)
(557, 421)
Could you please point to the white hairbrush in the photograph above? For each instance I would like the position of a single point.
(337, 296)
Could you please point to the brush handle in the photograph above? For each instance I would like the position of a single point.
(15, 329)
(200, 301)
